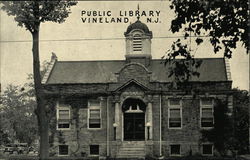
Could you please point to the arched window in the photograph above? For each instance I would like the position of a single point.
(137, 43)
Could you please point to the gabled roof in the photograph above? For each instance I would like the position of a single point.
(85, 72)
(132, 82)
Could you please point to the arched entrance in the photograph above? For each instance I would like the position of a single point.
(134, 119)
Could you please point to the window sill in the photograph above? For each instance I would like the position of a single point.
(94, 129)
(60, 155)
(208, 155)
(63, 129)
(94, 155)
(207, 128)
(175, 155)
(175, 128)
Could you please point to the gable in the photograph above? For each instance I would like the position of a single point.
(132, 86)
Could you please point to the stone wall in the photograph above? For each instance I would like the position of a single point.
(134, 71)
(188, 136)
(79, 136)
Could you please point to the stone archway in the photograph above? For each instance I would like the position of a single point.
(134, 119)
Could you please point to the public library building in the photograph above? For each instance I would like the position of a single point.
(127, 109)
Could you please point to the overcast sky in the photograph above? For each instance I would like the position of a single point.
(70, 40)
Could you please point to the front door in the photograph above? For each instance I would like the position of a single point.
(134, 126)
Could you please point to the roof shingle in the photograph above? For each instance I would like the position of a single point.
(80, 72)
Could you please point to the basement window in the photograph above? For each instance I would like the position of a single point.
(207, 149)
(175, 150)
(63, 150)
(94, 150)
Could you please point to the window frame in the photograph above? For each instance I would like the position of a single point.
(203, 148)
(137, 36)
(61, 106)
(170, 150)
(61, 155)
(174, 107)
(94, 155)
(94, 107)
(203, 106)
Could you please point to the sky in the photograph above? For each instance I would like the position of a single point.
(74, 40)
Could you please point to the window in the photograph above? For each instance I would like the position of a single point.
(175, 149)
(94, 114)
(175, 114)
(207, 149)
(63, 150)
(207, 118)
(63, 117)
(137, 42)
(175, 117)
(94, 149)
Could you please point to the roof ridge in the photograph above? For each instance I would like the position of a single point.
(198, 58)
(93, 61)
(125, 60)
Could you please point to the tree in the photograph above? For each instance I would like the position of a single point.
(18, 121)
(230, 133)
(221, 134)
(30, 14)
(223, 21)
(241, 119)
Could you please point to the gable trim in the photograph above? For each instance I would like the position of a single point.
(50, 68)
(132, 81)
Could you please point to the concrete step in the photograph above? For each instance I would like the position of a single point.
(130, 157)
(132, 149)
(132, 154)
(133, 144)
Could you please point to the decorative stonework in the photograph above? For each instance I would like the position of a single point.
(133, 93)
(135, 71)
(50, 67)
(228, 70)
(150, 98)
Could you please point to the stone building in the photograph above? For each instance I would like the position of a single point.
(126, 108)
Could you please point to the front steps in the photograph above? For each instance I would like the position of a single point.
(132, 149)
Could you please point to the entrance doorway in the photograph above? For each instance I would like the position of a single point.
(134, 126)
(134, 119)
